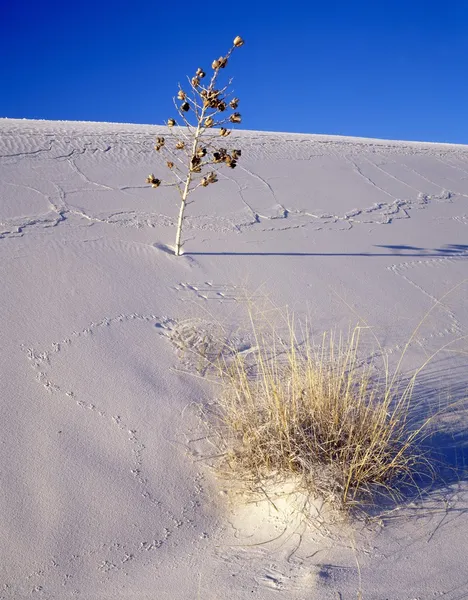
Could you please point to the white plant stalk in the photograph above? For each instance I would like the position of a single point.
(205, 117)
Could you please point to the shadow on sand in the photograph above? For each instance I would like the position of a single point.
(440, 399)
(448, 250)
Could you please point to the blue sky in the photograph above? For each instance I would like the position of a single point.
(388, 69)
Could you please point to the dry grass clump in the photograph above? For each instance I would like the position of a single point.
(320, 415)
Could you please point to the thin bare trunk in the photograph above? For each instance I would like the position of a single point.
(186, 191)
(181, 214)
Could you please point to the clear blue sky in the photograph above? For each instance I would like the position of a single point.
(377, 68)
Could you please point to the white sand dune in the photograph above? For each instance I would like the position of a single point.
(102, 495)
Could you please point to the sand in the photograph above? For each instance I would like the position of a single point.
(105, 490)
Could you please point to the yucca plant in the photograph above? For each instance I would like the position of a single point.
(192, 148)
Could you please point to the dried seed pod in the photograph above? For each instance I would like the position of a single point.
(171, 122)
(220, 155)
(232, 164)
(170, 164)
(159, 143)
(223, 132)
(234, 103)
(221, 106)
(223, 61)
(235, 118)
(185, 106)
(153, 181)
(201, 152)
(195, 165)
(215, 64)
(195, 81)
(180, 145)
(209, 122)
(236, 153)
(181, 95)
(200, 73)
(212, 177)
(204, 182)
(227, 159)
(238, 41)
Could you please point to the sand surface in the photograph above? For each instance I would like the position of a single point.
(103, 492)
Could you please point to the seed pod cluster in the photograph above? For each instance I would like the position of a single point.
(208, 107)
(210, 178)
(220, 63)
(219, 155)
(195, 164)
(160, 141)
(153, 181)
(222, 156)
(210, 98)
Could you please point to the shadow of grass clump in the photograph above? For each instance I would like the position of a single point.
(446, 443)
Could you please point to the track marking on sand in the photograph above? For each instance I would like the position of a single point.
(207, 290)
(104, 561)
(110, 557)
(400, 269)
(366, 178)
(463, 219)
(454, 327)
(200, 343)
(65, 148)
(41, 363)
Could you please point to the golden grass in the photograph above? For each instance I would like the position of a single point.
(317, 414)
(343, 427)
(323, 415)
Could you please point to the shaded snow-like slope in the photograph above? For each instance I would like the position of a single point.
(101, 496)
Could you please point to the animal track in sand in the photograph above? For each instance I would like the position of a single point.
(208, 290)
(73, 149)
(54, 367)
(200, 343)
(454, 272)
